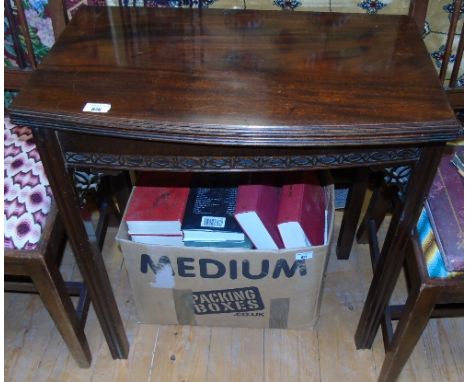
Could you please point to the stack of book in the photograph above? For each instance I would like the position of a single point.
(154, 214)
(209, 217)
(291, 216)
(211, 213)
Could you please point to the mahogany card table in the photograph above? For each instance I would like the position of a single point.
(238, 90)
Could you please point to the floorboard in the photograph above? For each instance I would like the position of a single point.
(34, 351)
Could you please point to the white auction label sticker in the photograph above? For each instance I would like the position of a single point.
(97, 107)
(213, 221)
(304, 255)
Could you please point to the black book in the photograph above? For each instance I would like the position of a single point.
(209, 214)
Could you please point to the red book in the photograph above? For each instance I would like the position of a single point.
(301, 215)
(164, 179)
(156, 210)
(256, 212)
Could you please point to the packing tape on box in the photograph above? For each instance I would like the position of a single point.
(183, 300)
(279, 311)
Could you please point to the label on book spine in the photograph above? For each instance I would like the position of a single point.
(213, 222)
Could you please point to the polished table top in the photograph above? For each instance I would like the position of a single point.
(241, 77)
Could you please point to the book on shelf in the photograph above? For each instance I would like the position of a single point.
(171, 240)
(245, 244)
(302, 216)
(209, 214)
(163, 179)
(257, 212)
(157, 209)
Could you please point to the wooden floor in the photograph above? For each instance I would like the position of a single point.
(34, 351)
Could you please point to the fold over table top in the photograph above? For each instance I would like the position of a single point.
(240, 77)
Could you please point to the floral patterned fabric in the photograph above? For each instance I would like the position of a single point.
(40, 29)
(27, 193)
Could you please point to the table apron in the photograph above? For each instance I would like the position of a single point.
(118, 153)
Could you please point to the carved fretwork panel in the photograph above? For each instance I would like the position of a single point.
(209, 163)
(86, 183)
(398, 177)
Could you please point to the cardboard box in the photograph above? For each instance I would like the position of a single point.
(227, 287)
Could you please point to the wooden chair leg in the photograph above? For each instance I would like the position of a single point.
(51, 287)
(418, 309)
(351, 214)
(379, 205)
(121, 187)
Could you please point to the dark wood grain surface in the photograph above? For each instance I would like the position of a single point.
(240, 77)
